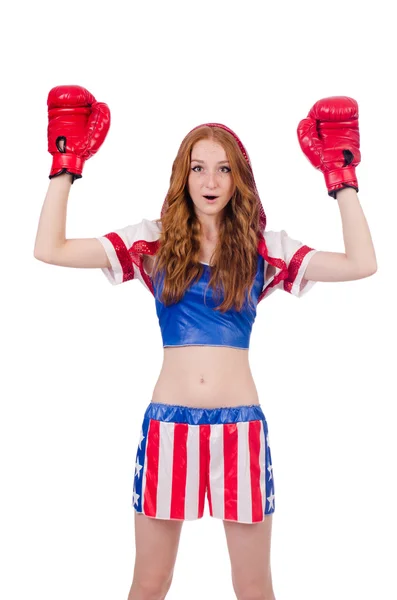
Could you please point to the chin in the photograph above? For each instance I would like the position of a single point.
(212, 209)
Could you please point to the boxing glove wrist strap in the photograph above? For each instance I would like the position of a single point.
(71, 162)
(340, 176)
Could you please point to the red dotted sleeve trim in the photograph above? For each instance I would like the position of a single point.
(288, 273)
(136, 251)
(294, 266)
(133, 256)
(276, 262)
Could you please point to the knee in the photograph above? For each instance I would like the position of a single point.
(253, 592)
(256, 595)
(154, 587)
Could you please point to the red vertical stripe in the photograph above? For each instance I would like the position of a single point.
(230, 450)
(205, 431)
(179, 471)
(152, 469)
(256, 494)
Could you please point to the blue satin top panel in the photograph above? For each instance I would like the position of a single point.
(193, 322)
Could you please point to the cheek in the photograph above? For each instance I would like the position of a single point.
(192, 183)
(231, 187)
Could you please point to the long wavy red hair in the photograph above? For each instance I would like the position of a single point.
(235, 255)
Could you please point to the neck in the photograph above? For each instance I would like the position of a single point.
(209, 233)
(210, 226)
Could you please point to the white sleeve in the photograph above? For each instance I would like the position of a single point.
(123, 257)
(296, 257)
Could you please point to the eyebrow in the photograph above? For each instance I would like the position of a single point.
(203, 161)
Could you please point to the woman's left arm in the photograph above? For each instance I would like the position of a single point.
(329, 137)
(359, 259)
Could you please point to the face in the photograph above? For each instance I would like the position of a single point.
(210, 175)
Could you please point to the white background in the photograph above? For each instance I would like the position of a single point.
(81, 357)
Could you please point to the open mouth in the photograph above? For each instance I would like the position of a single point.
(211, 198)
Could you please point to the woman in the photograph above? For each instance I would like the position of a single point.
(208, 262)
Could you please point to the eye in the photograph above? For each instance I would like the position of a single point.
(228, 170)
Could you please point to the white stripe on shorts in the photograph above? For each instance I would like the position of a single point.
(217, 471)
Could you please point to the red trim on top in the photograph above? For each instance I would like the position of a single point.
(122, 255)
(289, 272)
(294, 266)
(275, 262)
(143, 247)
(133, 256)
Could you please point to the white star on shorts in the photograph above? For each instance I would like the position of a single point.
(138, 468)
(271, 500)
(270, 469)
(142, 437)
(136, 497)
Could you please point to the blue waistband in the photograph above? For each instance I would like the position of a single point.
(172, 413)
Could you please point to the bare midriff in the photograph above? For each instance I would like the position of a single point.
(205, 377)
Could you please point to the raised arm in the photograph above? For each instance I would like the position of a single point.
(329, 137)
(77, 127)
(51, 246)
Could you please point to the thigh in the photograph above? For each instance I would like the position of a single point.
(249, 551)
(156, 547)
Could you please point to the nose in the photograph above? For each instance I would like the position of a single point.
(211, 182)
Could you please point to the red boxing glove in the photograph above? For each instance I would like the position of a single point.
(330, 139)
(77, 127)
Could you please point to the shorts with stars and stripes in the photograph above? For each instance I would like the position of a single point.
(185, 454)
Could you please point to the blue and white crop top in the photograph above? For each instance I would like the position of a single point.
(194, 322)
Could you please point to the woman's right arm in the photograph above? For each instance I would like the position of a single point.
(51, 246)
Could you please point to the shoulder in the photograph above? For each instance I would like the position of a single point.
(146, 229)
(274, 239)
(280, 245)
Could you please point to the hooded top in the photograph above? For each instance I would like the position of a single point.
(282, 262)
(193, 322)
